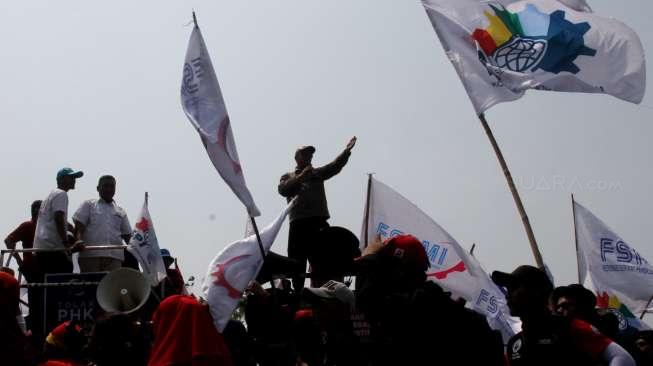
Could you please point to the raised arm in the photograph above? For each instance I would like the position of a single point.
(334, 167)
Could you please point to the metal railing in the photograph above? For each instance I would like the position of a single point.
(14, 252)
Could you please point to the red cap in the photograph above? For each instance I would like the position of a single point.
(56, 337)
(303, 314)
(409, 249)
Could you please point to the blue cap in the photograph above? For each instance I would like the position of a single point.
(64, 172)
(165, 253)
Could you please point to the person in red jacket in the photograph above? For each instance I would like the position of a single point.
(184, 335)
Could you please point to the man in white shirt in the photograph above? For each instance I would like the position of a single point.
(101, 221)
(51, 228)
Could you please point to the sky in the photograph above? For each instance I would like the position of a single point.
(95, 86)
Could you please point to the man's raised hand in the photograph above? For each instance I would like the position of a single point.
(351, 144)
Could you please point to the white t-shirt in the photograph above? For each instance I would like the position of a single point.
(105, 224)
(46, 235)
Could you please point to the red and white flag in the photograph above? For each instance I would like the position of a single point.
(232, 270)
(145, 247)
(204, 106)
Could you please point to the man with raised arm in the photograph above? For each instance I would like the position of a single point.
(309, 213)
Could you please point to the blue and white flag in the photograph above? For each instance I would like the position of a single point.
(502, 48)
(617, 270)
(204, 106)
(390, 214)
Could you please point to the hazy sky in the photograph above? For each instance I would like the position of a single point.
(95, 86)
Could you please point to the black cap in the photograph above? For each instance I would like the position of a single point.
(523, 275)
(584, 297)
(305, 149)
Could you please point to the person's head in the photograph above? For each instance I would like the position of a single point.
(574, 301)
(66, 178)
(333, 255)
(304, 156)
(644, 342)
(34, 209)
(409, 257)
(65, 341)
(9, 295)
(116, 339)
(528, 289)
(106, 187)
(167, 257)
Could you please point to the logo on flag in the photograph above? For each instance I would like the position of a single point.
(530, 40)
(221, 276)
(144, 246)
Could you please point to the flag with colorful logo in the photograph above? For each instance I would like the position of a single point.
(390, 214)
(144, 246)
(617, 270)
(500, 49)
(204, 106)
(628, 322)
(233, 268)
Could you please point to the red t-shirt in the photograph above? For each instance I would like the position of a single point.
(588, 339)
(24, 233)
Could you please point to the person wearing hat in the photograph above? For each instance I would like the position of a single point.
(330, 307)
(309, 213)
(413, 321)
(173, 284)
(100, 221)
(548, 339)
(51, 227)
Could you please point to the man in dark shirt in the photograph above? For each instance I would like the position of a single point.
(24, 233)
(547, 339)
(309, 213)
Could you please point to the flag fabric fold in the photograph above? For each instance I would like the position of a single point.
(391, 214)
(500, 49)
(201, 99)
(144, 246)
(233, 268)
(617, 270)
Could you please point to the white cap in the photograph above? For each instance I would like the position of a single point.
(335, 290)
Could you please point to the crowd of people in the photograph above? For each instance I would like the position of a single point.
(391, 315)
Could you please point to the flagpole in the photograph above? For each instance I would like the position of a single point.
(573, 210)
(646, 308)
(367, 209)
(513, 190)
(258, 237)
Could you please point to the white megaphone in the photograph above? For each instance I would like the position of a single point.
(124, 290)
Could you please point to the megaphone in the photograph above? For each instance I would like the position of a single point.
(124, 290)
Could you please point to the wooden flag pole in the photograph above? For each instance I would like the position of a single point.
(573, 210)
(515, 194)
(367, 209)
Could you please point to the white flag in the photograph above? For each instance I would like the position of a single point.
(145, 247)
(391, 214)
(615, 267)
(232, 270)
(502, 48)
(204, 106)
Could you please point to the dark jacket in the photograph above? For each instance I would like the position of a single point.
(311, 199)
